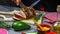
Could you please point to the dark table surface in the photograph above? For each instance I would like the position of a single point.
(49, 5)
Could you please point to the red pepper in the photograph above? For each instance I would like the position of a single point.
(42, 9)
(22, 32)
(51, 33)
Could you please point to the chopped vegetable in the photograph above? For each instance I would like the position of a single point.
(38, 17)
(4, 25)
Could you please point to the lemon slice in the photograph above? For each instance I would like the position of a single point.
(45, 29)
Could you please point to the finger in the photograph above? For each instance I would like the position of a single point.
(17, 2)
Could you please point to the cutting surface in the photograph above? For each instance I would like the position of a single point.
(11, 31)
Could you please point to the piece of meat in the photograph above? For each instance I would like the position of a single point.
(49, 21)
(18, 17)
(24, 14)
(51, 16)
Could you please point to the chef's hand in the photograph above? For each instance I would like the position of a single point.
(17, 2)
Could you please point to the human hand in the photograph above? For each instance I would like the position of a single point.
(17, 2)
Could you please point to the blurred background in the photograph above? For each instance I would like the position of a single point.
(49, 5)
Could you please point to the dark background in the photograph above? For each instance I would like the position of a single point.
(49, 5)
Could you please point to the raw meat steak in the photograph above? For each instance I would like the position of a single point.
(49, 21)
(51, 16)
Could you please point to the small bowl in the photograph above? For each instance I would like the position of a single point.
(44, 32)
